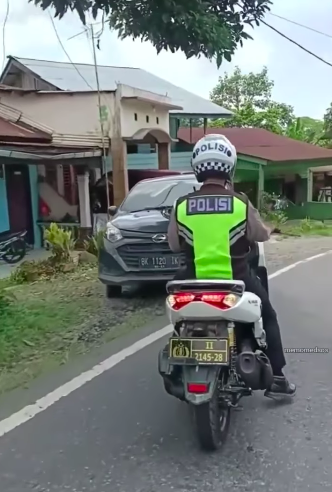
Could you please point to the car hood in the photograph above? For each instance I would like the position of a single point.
(145, 221)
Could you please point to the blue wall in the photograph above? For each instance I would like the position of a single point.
(4, 218)
(33, 174)
(180, 161)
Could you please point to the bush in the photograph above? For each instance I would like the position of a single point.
(276, 217)
(306, 225)
(61, 242)
(30, 271)
(94, 243)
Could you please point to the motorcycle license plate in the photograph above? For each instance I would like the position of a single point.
(199, 350)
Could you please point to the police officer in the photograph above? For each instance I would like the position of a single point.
(214, 227)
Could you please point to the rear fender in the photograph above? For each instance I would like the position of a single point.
(200, 374)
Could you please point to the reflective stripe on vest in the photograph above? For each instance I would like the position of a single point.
(211, 225)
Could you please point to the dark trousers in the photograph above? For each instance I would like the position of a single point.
(275, 350)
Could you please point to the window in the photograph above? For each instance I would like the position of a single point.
(135, 116)
(157, 120)
(147, 118)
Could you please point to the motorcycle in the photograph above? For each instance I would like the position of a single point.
(215, 355)
(13, 247)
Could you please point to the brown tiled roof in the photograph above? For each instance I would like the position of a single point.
(12, 132)
(260, 143)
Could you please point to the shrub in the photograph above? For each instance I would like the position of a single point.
(30, 271)
(61, 242)
(306, 225)
(94, 243)
(276, 217)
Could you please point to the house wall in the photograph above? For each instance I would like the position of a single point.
(54, 197)
(78, 113)
(4, 218)
(137, 114)
(73, 114)
(312, 210)
(57, 204)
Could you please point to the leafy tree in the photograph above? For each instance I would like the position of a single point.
(212, 28)
(327, 127)
(249, 96)
(313, 124)
(305, 129)
(238, 90)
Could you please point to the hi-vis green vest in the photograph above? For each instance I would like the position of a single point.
(212, 226)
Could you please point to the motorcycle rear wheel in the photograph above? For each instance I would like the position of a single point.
(15, 252)
(212, 423)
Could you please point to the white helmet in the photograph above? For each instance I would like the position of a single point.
(214, 156)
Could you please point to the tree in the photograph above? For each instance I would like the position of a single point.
(305, 129)
(212, 28)
(326, 137)
(249, 97)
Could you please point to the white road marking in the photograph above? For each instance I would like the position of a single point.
(30, 411)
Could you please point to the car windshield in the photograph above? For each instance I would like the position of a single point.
(157, 194)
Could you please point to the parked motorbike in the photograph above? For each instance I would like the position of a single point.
(215, 355)
(13, 247)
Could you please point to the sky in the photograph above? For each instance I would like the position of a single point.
(300, 80)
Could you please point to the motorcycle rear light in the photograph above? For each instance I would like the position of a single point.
(220, 300)
(177, 301)
(198, 388)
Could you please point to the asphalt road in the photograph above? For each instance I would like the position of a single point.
(122, 433)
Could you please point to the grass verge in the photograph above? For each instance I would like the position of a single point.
(51, 321)
(306, 228)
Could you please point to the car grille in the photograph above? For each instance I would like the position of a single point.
(130, 253)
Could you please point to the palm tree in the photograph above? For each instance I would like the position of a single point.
(298, 131)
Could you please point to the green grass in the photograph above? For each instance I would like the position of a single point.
(39, 331)
(307, 228)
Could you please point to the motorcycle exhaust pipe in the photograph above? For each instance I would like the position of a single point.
(255, 369)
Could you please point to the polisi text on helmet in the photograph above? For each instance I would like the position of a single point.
(213, 146)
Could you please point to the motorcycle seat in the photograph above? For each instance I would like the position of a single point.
(5, 236)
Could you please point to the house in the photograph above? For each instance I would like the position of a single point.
(139, 112)
(278, 164)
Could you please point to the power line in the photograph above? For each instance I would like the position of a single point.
(85, 30)
(301, 25)
(4, 36)
(296, 44)
(66, 53)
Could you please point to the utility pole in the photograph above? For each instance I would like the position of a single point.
(104, 166)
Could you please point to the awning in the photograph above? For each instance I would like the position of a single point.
(12, 132)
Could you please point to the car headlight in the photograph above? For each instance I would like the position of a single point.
(112, 233)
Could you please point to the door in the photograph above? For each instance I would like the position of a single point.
(19, 200)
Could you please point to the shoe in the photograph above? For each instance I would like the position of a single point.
(280, 387)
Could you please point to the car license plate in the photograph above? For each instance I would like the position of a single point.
(203, 350)
(159, 262)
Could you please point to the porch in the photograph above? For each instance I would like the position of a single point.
(40, 189)
(307, 185)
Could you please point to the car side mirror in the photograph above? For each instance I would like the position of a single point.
(112, 210)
